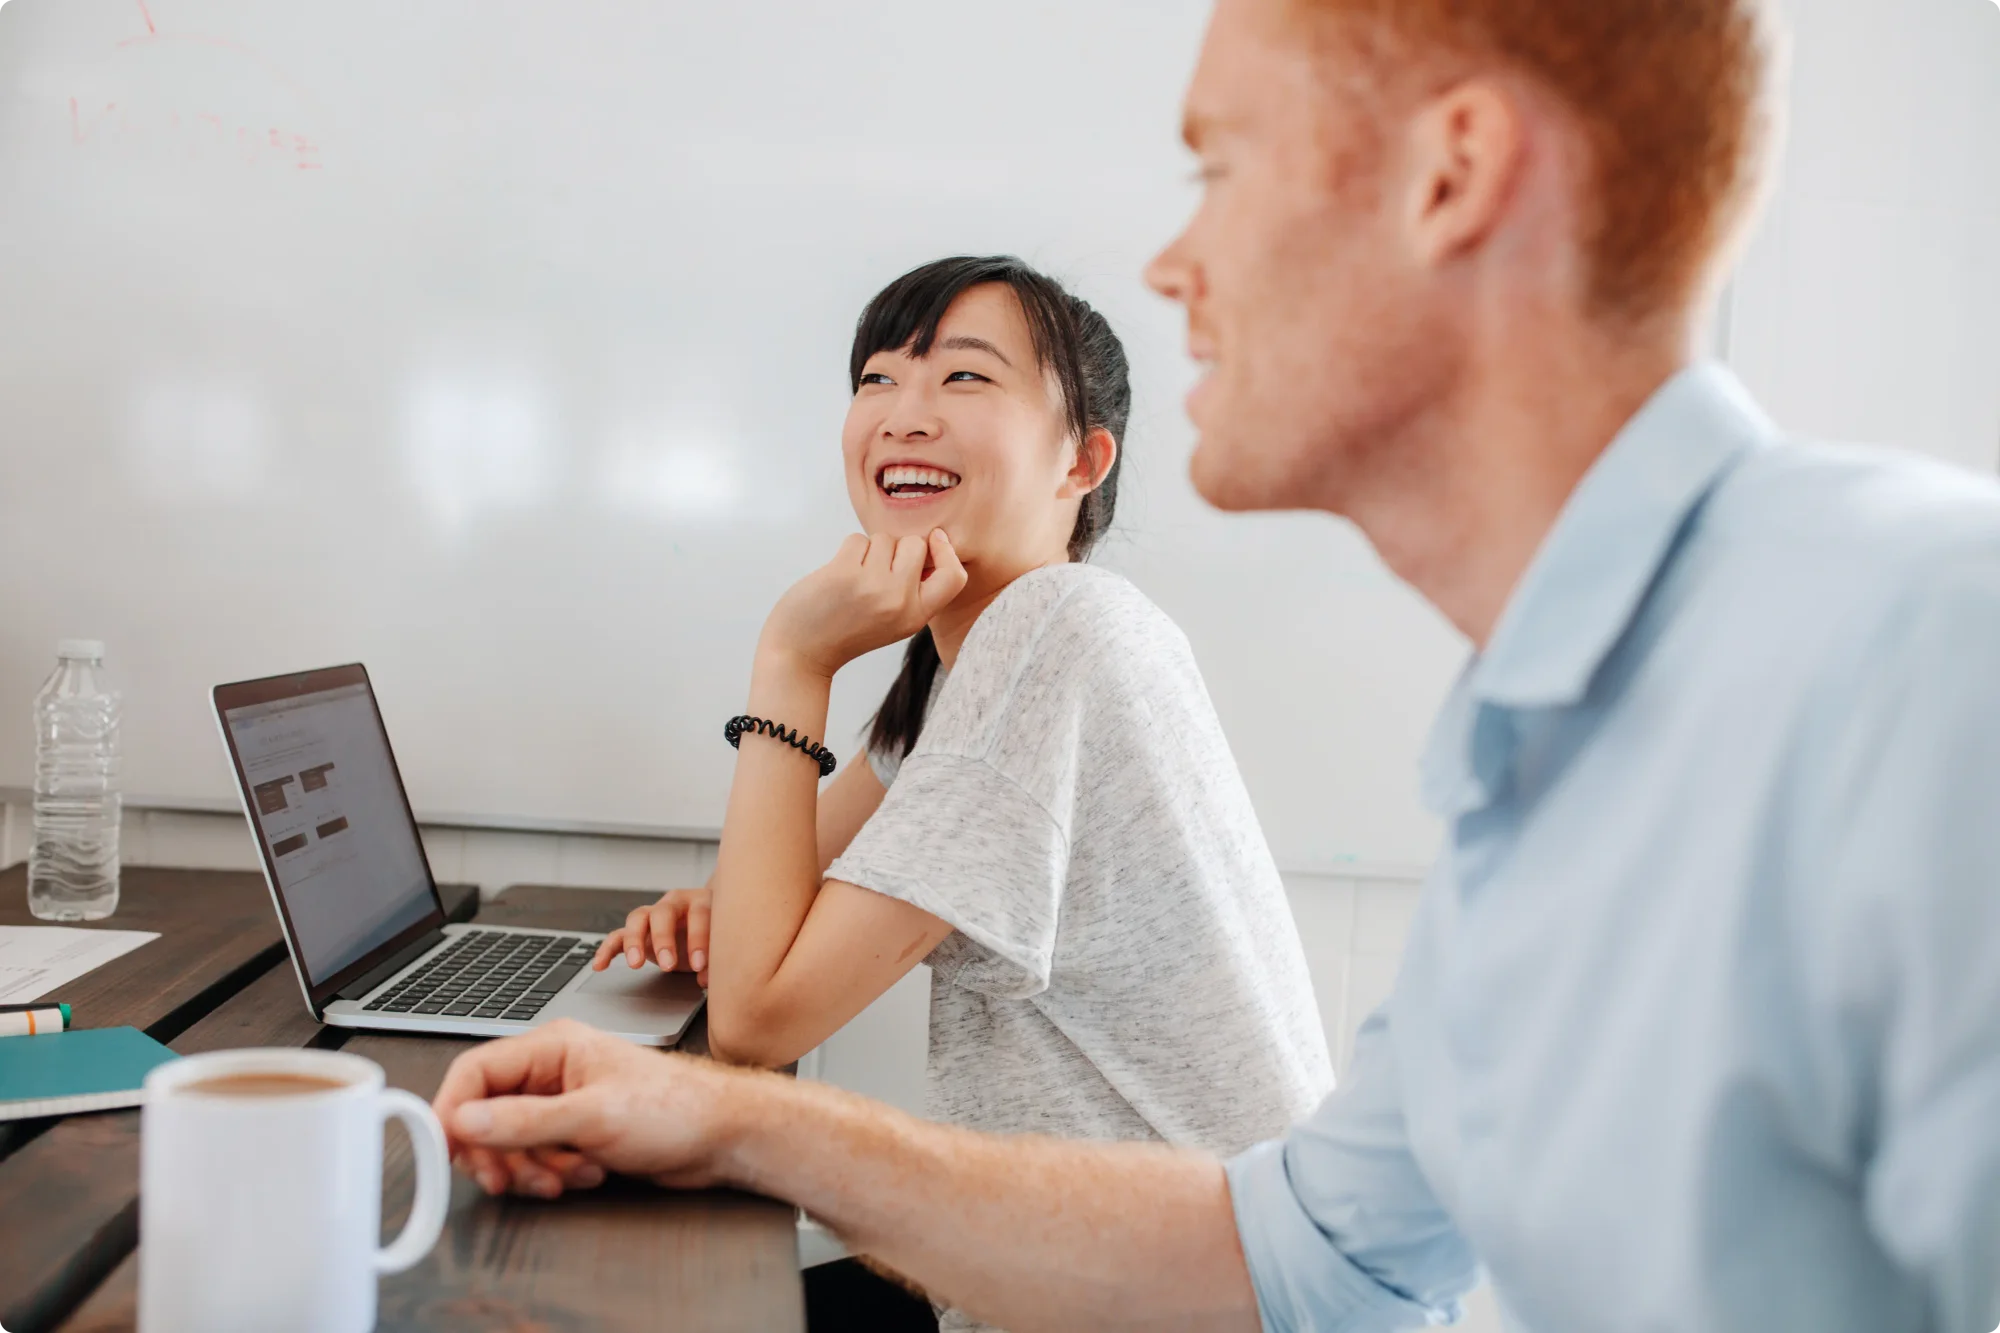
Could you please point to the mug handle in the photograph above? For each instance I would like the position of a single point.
(433, 1168)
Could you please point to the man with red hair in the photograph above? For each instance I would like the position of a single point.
(1699, 1024)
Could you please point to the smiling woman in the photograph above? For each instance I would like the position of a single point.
(1066, 387)
(1049, 814)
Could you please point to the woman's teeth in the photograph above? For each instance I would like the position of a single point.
(913, 481)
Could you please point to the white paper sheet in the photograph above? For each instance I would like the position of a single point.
(34, 960)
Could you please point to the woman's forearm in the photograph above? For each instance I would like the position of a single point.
(1024, 1232)
(767, 871)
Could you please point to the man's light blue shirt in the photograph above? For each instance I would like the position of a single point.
(1698, 1027)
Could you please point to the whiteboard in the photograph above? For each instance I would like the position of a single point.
(501, 345)
(1868, 306)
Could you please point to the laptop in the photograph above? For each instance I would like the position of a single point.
(354, 892)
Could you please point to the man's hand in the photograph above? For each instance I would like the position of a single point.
(1024, 1232)
(673, 932)
(874, 592)
(556, 1108)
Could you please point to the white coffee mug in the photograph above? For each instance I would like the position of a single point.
(259, 1210)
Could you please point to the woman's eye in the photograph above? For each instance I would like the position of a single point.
(965, 377)
(876, 377)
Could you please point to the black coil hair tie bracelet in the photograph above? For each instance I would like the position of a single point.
(732, 731)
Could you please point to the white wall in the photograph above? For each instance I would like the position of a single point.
(570, 384)
(1868, 306)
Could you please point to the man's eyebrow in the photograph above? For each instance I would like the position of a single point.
(964, 343)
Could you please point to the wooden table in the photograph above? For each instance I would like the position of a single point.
(627, 1256)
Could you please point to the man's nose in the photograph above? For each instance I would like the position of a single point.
(1171, 273)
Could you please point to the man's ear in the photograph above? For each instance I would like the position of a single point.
(1467, 148)
(1092, 464)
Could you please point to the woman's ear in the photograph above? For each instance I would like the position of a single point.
(1091, 465)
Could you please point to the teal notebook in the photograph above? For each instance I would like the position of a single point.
(88, 1069)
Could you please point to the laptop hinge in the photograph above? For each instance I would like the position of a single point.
(409, 953)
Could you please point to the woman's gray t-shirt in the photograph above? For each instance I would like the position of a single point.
(1124, 963)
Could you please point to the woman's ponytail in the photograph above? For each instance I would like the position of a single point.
(901, 717)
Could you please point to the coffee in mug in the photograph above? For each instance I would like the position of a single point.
(259, 1085)
(261, 1192)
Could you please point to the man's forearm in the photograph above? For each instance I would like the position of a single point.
(1026, 1232)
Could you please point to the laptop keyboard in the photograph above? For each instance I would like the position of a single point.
(489, 974)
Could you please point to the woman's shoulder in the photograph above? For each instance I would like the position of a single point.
(1063, 659)
(1105, 610)
(1065, 631)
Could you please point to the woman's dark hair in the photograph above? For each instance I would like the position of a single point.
(1072, 341)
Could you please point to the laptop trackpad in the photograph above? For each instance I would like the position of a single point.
(635, 996)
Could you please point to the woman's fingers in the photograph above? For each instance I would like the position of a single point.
(881, 553)
(657, 932)
(907, 560)
(877, 590)
(665, 918)
(947, 578)
(697, 935)
(607, 949)
(636, 930)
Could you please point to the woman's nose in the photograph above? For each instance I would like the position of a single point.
(912, 416)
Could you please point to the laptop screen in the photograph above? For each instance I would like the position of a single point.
(327, 803)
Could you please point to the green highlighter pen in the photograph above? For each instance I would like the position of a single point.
(32, 1020)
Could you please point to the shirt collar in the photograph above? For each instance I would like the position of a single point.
(1608, 545)
(1594, 569)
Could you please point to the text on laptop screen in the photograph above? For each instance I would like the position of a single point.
(325, 800)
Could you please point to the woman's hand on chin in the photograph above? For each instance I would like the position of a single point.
(873, 593)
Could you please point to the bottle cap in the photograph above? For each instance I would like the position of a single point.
(87, 650)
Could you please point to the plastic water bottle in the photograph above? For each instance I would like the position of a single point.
(73, 869)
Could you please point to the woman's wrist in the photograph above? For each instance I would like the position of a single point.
(789, 697)
(781, 662)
